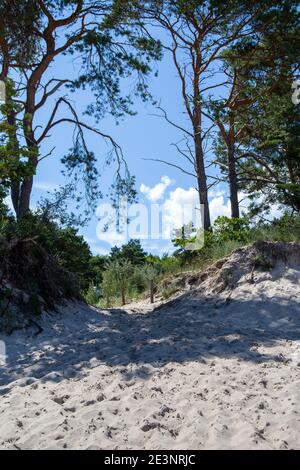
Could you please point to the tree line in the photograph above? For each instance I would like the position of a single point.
(236, 62)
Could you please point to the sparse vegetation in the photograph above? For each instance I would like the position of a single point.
(243, 112)
(121, 280)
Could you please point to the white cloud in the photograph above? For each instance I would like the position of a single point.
(179, 207)
(45, 186)
(275, 210)
(158, 191)
(112, 237)
(219, 204)
(218, 207)
(182, 207)
(177, 210)
(216, 192)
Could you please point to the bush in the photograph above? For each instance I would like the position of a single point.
(97, 266)
(131, 251)
(287, 229)
(148, 275)
(92, 296)
(117, 280)
(31, 281)
(226, 229)
(230, 234)
(63, 244)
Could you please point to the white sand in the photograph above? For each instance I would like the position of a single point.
(208, 371)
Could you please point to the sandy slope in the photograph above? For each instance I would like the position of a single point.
(218, 367)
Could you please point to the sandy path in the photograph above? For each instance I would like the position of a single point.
(204, 372)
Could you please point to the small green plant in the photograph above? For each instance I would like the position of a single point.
(149, 274)
(92, 296)
(117, 280)
(226, 229)
(167, 292)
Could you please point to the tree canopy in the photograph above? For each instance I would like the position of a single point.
(108, 45)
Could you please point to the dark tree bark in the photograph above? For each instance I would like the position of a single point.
(152, 292)
(233, 185)
(232, 171)
(123, 297)
(198, 136)
(202, 184)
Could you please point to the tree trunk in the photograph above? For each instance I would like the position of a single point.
(27, 183)
(233, 184)
(123, 297)
(232, 173)
(152, 292)
(25, 195)
(199, 154)
(202, 182)
(14, 154)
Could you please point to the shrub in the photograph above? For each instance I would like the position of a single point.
(92, 295)
(131, 251)
(287, 229)
(226, 229)
(117, 279)
(148, 275)
(63, 244)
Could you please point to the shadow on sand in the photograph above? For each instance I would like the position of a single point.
(187, 329)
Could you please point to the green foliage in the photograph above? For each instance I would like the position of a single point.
(167, 292)
(16, 25)
(258, 125)
(148, 275)
(92, 296)
(132, 252)
(14, 158)
(69, 249)
(106, 61)
(169, 264)
(268, 125)
(97, 265)
(41, 266)
(230, 234)
(117, 279)
(125, 278)
(226, 229)
(286, 229)
(35, 305)
(110, 47)
(5, 298)
(184, 236)
(149, 272)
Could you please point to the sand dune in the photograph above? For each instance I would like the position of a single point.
(218, 367)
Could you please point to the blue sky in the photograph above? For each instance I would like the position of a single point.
(141, 137)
